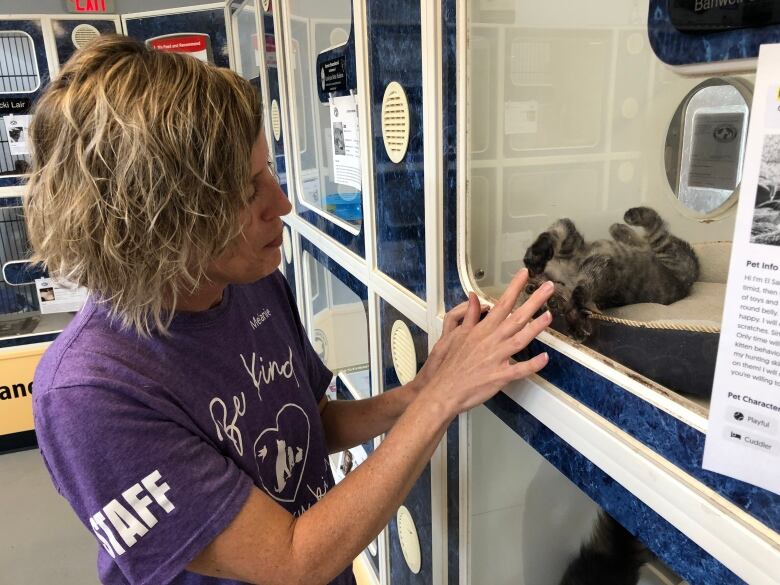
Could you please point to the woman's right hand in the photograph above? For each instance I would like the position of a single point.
(478, 363)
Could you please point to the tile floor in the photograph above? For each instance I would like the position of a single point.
(41, 540)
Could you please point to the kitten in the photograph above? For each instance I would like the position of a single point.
(612, 556)
(655, 267)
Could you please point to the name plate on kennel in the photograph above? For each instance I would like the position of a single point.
(11, 106)
(333, 75)
(716, 15)
(743, 435)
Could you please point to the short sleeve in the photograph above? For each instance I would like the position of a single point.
(319, 374)
(153, 492)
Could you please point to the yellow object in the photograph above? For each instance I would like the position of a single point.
(17, 366)
(363, 574)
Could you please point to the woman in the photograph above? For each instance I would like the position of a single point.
(190, 437)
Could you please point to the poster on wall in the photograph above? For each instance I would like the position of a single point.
(743, 436)
(16, 128)
(345, 129)
(59, 296)
(197, 45)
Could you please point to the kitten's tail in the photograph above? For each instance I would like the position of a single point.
(612, 556)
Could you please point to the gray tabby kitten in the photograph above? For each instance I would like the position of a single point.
(655, 267)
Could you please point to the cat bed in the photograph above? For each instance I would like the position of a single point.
(675, 345)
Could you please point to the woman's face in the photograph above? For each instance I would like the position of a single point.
(255, 254)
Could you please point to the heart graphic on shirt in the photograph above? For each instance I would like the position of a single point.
(281, 451)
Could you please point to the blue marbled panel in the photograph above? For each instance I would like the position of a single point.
(419, 504)
(419, 499)
(395, 49)
(63, 29)
(272, 70)
(336, 269)
(453, 503)
(35, 30)
(210, 22)
(354, 243)
(19, 341)
(665, 434)
(672, 546)
(676, 48)
(453, 292)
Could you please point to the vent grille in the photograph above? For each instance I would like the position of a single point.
(18, 63)
(84, 34)
(395, 122)
(402, 350)
(276, 120)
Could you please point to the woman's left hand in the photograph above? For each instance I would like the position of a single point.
(452, 321)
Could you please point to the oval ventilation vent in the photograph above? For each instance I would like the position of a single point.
(84, 34)
(402, 350)
(287, 245)
(276, 120)
(395, 122)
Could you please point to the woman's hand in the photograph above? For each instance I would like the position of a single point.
(438, 354)
(475, 362)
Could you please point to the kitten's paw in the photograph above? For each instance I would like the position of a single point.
(641, 216)
(578, 316)
(538, 254)
(620, 232)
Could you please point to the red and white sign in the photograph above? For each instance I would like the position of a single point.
(195, 44)
(90, 6)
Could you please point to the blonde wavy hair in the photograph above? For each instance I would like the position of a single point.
(141, 165)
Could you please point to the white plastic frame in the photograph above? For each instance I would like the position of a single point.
(281, 16)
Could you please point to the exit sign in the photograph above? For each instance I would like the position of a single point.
(90, 6)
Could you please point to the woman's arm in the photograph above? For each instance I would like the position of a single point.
(352, 422)
(267, 545)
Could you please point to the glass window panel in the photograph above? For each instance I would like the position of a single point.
(568, 114)
(20, 312)
(246, 40)
(18, 63)
(338, 325)
(316, 27)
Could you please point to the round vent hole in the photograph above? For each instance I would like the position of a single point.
(395, 122)
(276, 120)
(84, 34)
(402, 350)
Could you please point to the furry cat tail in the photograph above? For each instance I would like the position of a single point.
(612, 556)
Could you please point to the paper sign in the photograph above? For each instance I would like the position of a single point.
(345, 130)
(58, 296)
(743, 437)
(16, 129)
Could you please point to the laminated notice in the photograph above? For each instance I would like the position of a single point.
(743, 435)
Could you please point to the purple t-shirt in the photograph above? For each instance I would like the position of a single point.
(157, 442)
